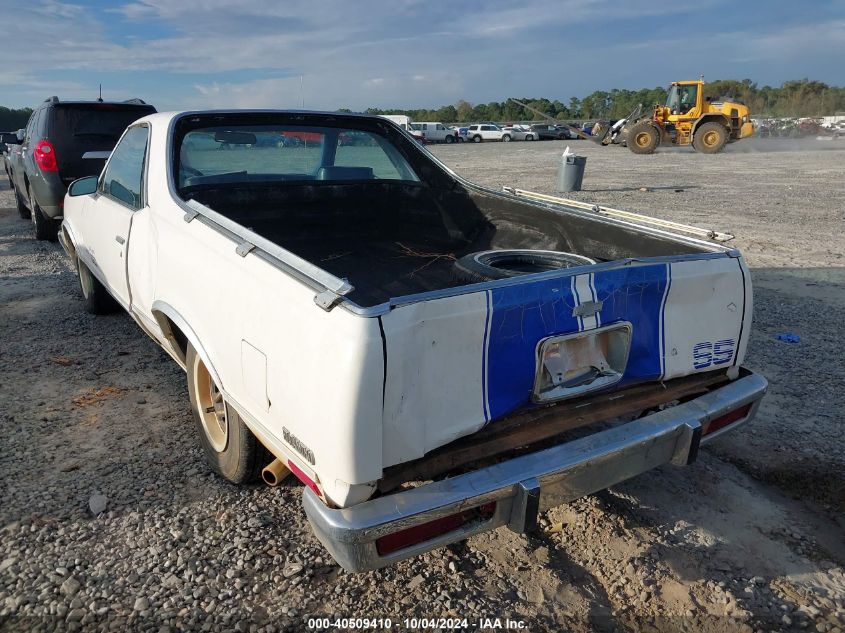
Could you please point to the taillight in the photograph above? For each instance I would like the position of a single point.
(427, 531)
(45, 156)
(300, 474)
(729, 418)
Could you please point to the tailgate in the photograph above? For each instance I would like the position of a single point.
(456, 363)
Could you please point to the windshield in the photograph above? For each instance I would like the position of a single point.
(682, 99)
(272, 153)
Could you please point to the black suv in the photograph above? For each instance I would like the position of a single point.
(63, 141)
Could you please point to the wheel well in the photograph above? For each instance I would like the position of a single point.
(712, 118)
(69, 244)
(173, 333)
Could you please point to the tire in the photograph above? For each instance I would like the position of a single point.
(450, 139)
(20, 206)
(46, 228)
(506, 138)
(643, 138)
(231, 450)
(476, 139)
(529, 137)
(502, 264)
(710, 138)
(95, 298)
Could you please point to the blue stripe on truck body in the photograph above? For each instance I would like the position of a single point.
(522, 315)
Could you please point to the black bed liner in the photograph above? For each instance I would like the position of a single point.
(392, 239)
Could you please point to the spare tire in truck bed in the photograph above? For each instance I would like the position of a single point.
(500, 264)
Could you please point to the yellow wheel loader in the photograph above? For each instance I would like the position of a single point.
(686, 119)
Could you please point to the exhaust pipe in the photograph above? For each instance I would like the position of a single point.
(274, 472)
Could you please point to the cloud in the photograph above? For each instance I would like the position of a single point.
(406, 53)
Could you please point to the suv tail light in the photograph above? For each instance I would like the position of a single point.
(45, 156)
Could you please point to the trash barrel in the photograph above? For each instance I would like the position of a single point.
(571, 172)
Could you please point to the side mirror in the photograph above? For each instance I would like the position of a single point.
(83, 186)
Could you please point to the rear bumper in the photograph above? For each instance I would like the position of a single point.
(50, 192)
(526, 485)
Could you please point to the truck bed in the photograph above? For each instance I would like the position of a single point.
(396, 239)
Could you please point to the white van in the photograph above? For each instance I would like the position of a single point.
(406, 124)
(436, 132)
(401, 120)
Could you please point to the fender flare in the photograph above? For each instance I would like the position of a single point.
(67, 240)
(712, 117)
(162, 311)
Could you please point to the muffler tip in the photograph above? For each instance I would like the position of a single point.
(274, 472)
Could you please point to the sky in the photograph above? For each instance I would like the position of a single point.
(330, 54)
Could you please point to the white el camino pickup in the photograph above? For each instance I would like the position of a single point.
(431, 358)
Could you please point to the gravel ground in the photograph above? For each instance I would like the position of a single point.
(111, 520)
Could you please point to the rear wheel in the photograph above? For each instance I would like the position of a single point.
(476, 139)
(506, 138)
(710, 138)
(230, 448)
(450, 139)
(20, 206)
(45, 228)
(643, 138)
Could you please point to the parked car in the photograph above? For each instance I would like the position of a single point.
(435, 132)
(484, 132)
(6, 137)
(11, 144)
(462, 133)
(63, 141)
(518, 133)
(362, 318)
(545, 132)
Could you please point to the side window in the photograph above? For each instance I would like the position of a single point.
(125, 171)
(31, 124)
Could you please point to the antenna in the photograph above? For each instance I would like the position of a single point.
(301, 93)
(100, 98)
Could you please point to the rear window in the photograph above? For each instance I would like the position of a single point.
(269, 153)
(102, 123)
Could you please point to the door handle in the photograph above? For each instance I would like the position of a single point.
(119, 239)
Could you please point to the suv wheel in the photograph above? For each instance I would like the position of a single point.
(20, 206)
(45, 228)
(476, 138)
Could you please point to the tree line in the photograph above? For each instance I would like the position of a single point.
(803, 97)
(11, 120)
